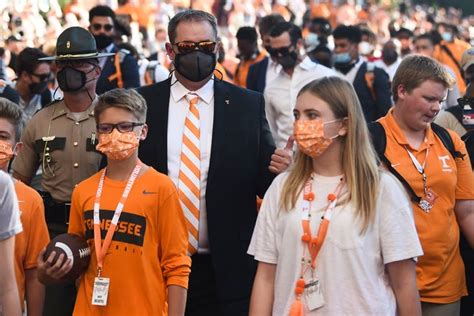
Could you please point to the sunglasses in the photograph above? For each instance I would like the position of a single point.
(466, 101)
(106, 27)
(122, 127)
(42, 77)
(282, 51)
(188, 47)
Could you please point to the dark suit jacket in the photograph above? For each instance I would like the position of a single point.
(242, 145)
(373, 109)
(129, 68)
(257, 76)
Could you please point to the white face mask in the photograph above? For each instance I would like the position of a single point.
(365, 48)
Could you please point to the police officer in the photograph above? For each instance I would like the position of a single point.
(61, 139)
(121, 70)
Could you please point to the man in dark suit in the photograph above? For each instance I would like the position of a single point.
(119, 70)
(371, 83)
(265, 70)
(213, 141)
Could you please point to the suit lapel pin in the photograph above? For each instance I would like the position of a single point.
(227, 101)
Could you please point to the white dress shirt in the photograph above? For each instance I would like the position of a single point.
(389, 69)
(178, 109)
(280, 97)
(273, 70)
(350, 76)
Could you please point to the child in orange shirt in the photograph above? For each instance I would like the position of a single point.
(132, 219)
(34, 237)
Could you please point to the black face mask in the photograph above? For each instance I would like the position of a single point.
(102, 41)
(195, 66)
(38, 87)
(345, 67)
(389, 56)
(71, 79)
(288, 61)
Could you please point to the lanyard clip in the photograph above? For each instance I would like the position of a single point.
(99, 272)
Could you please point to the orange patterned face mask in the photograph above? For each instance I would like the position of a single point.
(6, 153)
(309, 135)
(118, 146)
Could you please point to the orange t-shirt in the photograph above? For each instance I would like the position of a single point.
(148, 249)
(457, 48)
(242, 70)
(35, 236)
(440, 271)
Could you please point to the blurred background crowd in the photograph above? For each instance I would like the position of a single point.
(389, 25)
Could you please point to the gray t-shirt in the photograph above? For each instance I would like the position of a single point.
(10, 224)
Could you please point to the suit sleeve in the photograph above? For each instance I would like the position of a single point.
(382, 92)
(131, 77)
(266, 149)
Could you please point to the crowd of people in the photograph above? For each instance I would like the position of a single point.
(154, 130)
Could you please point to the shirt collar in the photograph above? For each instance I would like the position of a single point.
(399, 136)
(61, 109)
(307, 64)
(205, 93)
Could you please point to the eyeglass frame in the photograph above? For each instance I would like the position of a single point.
(106, 27)
(116, 126)
(196, 46)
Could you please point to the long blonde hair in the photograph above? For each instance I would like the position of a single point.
(360, 167)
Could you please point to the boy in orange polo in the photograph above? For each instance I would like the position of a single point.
(131, 217)
(34, 237)
(443, 183)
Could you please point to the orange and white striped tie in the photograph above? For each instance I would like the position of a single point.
(189, 183)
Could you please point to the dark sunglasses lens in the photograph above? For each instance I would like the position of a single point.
(108, 27)
(96, 27)
(207, 47)
(186, 47)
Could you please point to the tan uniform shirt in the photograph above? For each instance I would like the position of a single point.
(63, 146)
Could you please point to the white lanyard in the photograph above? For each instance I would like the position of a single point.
(420, 168)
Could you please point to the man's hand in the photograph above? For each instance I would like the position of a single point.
(52, 273)
(282, 158)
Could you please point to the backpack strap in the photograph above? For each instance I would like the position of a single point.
(379, 141)
(446, 139)
(451, 56)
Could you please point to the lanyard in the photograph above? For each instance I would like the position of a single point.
(100, 251)
(420, 168)
(314, 243)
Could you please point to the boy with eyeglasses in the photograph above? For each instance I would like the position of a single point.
(131, 217)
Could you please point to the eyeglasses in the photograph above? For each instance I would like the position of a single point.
(282, 51)
(42, 77)
(188, 47)
(122, 127)
(106, 27)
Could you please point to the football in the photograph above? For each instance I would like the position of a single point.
(73, 247)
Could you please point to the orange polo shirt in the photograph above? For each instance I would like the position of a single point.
(148, 248)
(240, 78)
(35, 236)
(440, 271)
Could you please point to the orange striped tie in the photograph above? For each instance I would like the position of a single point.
(189, 184)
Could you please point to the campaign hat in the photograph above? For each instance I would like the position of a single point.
(76, 43)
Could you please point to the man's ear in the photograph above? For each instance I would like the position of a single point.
(169, 50)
